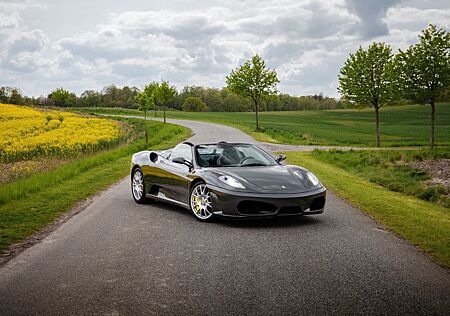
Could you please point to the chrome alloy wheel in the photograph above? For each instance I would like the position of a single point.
(138, 184)
(201, 202)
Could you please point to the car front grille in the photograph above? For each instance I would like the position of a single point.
(249, 207)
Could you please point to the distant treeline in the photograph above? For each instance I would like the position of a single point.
(216, 100)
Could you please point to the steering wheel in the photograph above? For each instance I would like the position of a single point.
(245, 159)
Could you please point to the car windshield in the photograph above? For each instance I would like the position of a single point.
(232, 155)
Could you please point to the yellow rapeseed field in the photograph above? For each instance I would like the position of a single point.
(26, 133)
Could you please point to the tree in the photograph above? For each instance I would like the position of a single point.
(367, 79)
(90, 98)
(163, 94)
(194, 104)
(424, 69)
(5, 92)
(254, 81)
(145, 101)
(11, 95)
(149, 90)
(113, 96)
(16, 97)
(62, 97)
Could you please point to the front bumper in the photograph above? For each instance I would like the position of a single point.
(233, 204)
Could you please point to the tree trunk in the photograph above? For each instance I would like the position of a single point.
(256, 112)
(164, 113)
(377, 120)
(433, 118)
(146, 129)
(155, 111)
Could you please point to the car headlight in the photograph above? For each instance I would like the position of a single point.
(231, 182)
(313, 178)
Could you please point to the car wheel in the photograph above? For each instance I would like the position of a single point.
(200, 202)
(138, 186)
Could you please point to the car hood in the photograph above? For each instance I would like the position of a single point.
(271, 179)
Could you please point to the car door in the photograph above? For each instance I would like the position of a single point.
(155, 174)
(176, 181)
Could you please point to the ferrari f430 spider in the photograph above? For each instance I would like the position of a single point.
(234, 180)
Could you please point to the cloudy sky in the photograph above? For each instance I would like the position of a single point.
(87, 44)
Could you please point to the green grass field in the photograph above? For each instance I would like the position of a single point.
(30, 203)
(407, 125)
(424, 224)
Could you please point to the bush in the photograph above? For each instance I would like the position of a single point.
(194, 104)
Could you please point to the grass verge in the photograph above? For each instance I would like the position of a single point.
(394, 170)
(27, 205)
(422, 223)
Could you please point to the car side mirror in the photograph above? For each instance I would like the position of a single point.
(183, 161)
(280, 158)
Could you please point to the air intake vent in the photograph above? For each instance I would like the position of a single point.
(256, 208)
(317, 204)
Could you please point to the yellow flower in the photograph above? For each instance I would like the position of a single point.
(27, 133)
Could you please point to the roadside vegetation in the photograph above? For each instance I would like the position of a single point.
(27, 133)
(406, 125)
(30, 203)
(398, 171)
(424, 224)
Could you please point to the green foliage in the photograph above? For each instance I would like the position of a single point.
(217, 100)
(367, 78)
(391, 170)
(194, 104)
(422, 223)
(150, 90)
(254, 81)
(145, 101)
(11, 95)
(90, 98)
(4, 94)
(62, 97)
(163, 94)
(16, 97)
(113, 96)
(29, 204)
(445, 95)
(424, 68)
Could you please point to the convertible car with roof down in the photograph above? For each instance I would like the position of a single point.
(233, 180)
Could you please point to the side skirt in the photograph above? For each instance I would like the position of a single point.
(163, 198)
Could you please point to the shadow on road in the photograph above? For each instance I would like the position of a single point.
(274, 222)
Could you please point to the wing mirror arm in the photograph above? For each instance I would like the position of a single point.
(280, 158)
(183, 161)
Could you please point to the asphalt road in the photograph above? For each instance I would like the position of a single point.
(117, 257)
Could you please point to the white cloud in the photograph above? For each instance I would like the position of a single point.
(307, 42)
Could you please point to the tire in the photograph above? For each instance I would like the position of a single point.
(138, 186)
(200, 202)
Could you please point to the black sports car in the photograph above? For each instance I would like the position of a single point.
(225, 179)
